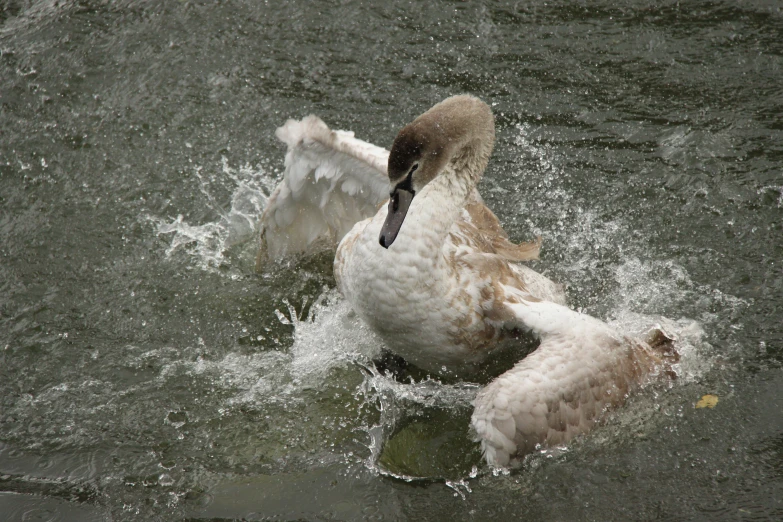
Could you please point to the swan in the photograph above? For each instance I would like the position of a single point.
(434, 274)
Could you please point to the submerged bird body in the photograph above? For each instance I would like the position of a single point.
(435, 275)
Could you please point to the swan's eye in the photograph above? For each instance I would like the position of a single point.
(406, 184)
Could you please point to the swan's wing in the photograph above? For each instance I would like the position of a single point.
(582, 368)
(331, 182)
(479, 241)
(501, 277)
(483, 223)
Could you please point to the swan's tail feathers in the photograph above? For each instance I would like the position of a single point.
(527, 251)
(488, 228)
(331, 182)
(664, 346)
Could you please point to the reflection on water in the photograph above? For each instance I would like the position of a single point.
(146, 371)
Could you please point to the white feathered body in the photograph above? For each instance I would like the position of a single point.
(408, 295)
(431, 295)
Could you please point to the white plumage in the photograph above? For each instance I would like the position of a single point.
(332, 181)
(435, 275)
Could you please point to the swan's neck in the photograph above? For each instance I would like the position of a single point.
(438, 206)
(470, 160)
(461, 133)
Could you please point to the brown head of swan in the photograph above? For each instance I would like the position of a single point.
(459, 131)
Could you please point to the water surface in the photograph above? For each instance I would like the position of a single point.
(148, 373)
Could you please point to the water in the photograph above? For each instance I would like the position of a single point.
(145, 370)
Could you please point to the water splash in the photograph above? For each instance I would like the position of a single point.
(572, 229)
(208, 243)
(329, 337)
(332, 335)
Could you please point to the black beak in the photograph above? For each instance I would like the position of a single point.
(400, 201)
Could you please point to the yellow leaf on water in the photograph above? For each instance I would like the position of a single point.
(707, 401)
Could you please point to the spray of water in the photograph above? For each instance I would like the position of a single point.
(207, 243)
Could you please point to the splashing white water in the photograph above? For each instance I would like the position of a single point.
(636, 293)
(331, 336)
(209, 242)
(568, 224)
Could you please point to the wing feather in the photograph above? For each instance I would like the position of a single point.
(582, 368)
(331, 182)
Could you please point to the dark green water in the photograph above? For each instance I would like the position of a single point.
(144, 371)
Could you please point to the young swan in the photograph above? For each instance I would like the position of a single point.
(434, 274)
(427, 271)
